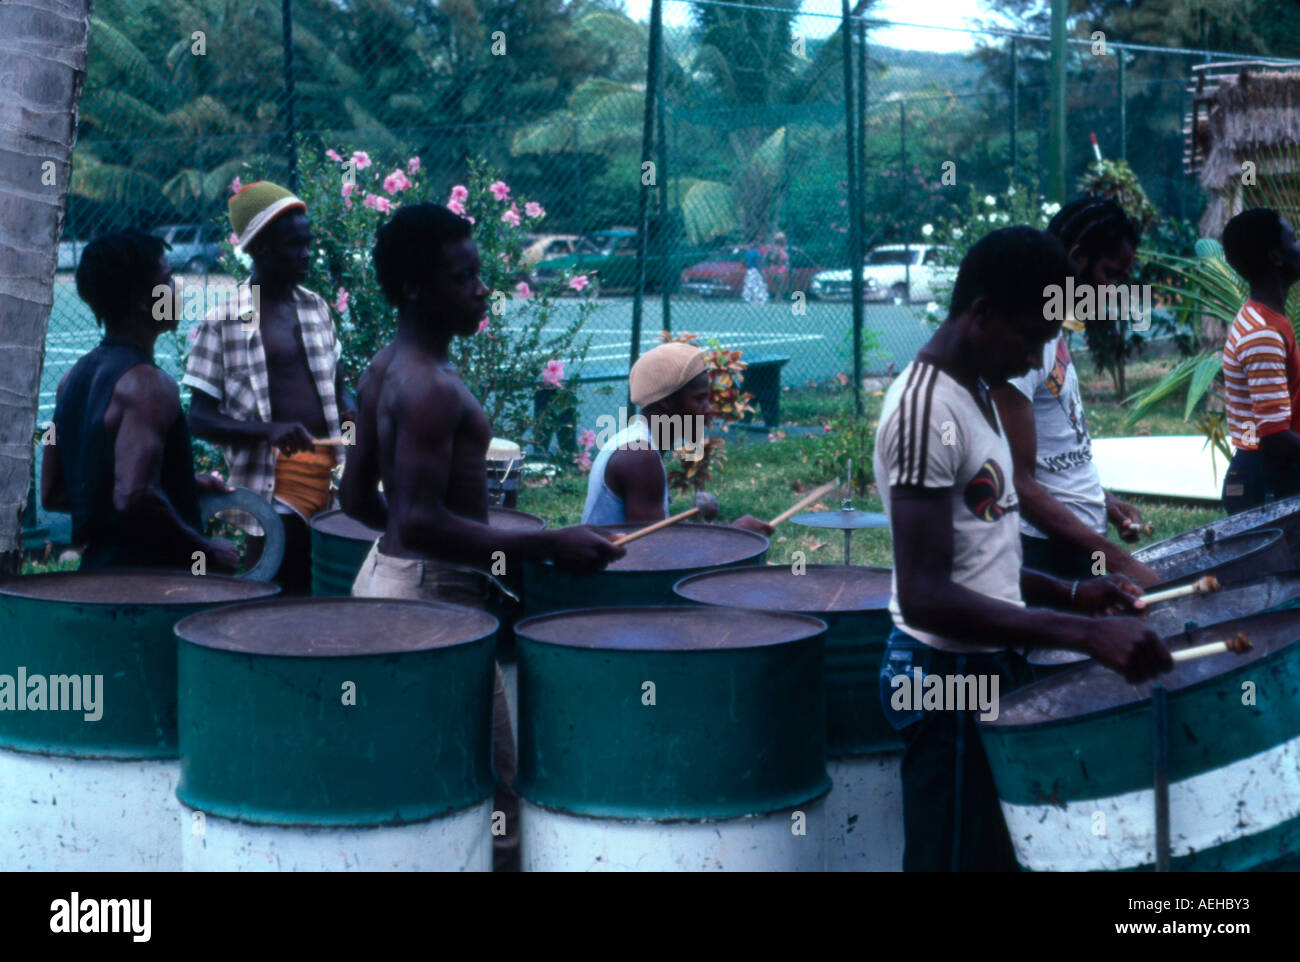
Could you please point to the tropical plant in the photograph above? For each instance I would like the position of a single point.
(692, 470)
(519, 359)
(846, 438)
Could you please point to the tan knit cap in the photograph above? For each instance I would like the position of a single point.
(667, 368)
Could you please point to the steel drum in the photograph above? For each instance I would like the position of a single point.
(865, 806)
(337, 733)
(1283, 515)
(1233, 560)
(94, 789)
(669, 738)
(647, 573)
(1239, 601)
(339, 544)
(1072, 760)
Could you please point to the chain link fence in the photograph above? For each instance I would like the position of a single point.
(748, 156)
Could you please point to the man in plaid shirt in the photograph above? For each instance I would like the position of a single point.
(267, 385)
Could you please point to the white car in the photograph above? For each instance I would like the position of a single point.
(892, 272)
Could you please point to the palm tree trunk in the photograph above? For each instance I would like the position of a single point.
(43, 50)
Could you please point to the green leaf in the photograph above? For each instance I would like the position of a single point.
(1203, 376)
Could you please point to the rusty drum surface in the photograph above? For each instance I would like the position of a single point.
(329, 733)
(1283, 515)
(88, 715)
(865, 806)
(680, 737)
(1079, 743)
(1233, 560)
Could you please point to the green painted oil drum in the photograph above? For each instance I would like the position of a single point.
(88, 715)
(339, 544)
(853, 600)
(644, 730)
(647, 573)
(1072, 759)
(342, 713)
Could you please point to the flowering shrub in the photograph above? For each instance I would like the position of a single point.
(730, 403)
(522, 346)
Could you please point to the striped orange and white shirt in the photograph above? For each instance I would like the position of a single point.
(1261, 371)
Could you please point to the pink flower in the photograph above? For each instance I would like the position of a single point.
(234, 240)
(499, 190)
(583, 461)
(194, 332)
(235, 185)
(348, 188)
(460, 194)
(483, 324)
(334, 155)
(362, 158)
(579, 282)
(534, 209)
(511, 217)
(456, 207)
(413, 165)
(523, 289)
(381, 204)
(396, 182)
(587, 438)
(554, 373)
(341, 302)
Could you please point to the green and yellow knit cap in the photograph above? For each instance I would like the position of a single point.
(256, 205)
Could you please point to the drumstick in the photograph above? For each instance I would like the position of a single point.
(816, 495)
(1239, 644)
(1147, 528)
(652, 528)
(1201, 586)
(330, 442)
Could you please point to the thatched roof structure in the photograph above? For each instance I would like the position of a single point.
(1252, 116)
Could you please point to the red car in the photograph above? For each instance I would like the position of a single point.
(724, 275)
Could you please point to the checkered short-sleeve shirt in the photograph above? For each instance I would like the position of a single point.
(228, 362)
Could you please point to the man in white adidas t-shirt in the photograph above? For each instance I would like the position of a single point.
(944, 470)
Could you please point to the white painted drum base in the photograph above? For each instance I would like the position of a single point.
(865, 813)
(558, 842)
(458, 842)
(60, 814)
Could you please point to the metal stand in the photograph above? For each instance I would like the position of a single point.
(1160, 753)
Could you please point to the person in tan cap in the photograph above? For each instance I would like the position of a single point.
(628, 483)
(265, 378)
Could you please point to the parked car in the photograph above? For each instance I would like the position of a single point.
(540, 247)
(891, 272)
(723, 274)
(608, 258)
(195, 248)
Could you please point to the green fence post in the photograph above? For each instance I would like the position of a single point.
(1015, 106)
(290, 120)
(855, 213)
(643, 198)
(1123, 108)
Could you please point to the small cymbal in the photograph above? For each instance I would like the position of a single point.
(845, 520)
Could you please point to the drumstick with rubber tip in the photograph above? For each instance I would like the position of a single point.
(706, 506)
(1239, 645)
(1147, 528)
(1201, 586)
(815, 495)
(330, 442)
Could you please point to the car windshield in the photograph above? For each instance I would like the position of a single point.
(894, 257)
(171, 232)
(597, 244)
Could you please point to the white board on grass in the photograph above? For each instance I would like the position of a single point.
(1182, 466)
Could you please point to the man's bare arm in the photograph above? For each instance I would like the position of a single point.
(637, 476)
(54, 491)
(1038, 505)
(359, 491)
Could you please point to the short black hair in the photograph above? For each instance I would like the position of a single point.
(1009, 268)
(1248, 238)
(1096, 225)
(405, 244)
(115, 269)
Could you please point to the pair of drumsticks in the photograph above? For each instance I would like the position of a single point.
(706, 505)
(1201, 586)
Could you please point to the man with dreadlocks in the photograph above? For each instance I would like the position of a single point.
(1064, 510)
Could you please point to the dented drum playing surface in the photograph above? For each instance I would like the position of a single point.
(1284, 515)
(1074, 752)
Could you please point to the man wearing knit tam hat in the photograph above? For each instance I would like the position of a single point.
(628, 483)
(265, 376)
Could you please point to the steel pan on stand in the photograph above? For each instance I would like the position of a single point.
(865, 806)
(1072, 759)
(672, 738)
(337, 733)
(91, 787)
